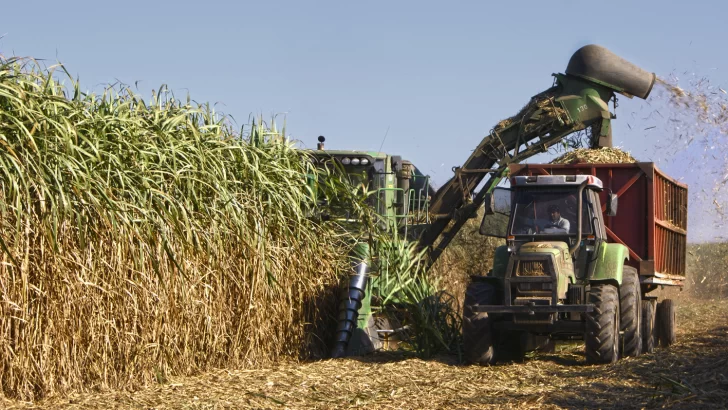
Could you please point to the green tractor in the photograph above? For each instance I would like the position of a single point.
(571, 268)
(399, 194)
(556, 257)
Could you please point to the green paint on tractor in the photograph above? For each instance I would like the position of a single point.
(610, 263)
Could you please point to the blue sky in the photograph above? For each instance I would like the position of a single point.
(439, 75)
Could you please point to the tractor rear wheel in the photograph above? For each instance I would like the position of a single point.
(667, 326)
(630, 306)
(602, 324)
(477, 326)
(648, 325)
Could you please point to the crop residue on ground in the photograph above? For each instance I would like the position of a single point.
(693, 373)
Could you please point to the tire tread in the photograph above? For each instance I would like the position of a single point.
(648, 326)
(600, 329)
(477, 326)
(630, 306)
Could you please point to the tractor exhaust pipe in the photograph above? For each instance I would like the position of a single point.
(599, 65)
(351, 302)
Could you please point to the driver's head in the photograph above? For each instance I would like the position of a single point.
(554, 213)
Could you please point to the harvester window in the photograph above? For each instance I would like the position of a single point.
(362, 181)
(359, 178)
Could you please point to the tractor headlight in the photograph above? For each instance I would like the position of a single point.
(364, 161)
(355, 161)
(346, 161)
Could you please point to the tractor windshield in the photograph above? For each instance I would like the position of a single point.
(552, 212)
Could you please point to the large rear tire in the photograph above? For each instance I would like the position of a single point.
(648, 325)
(630, 306)
(667, 325)
(478, 326)
(602, 325)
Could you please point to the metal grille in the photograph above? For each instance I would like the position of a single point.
(671, 223)
(532, 268)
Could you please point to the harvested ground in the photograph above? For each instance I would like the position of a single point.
(693, 373)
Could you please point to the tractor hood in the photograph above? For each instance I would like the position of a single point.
(554, 248)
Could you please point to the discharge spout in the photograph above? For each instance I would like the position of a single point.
(597, 64)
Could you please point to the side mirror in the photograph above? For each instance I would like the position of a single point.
(497, 208)
(489, 204)
(612, 202)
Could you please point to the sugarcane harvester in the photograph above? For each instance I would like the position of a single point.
(399, 197)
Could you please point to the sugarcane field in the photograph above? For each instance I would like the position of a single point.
(393, 206)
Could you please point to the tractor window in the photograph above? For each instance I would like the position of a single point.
(549, 212)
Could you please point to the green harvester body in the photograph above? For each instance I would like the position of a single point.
(399, 193)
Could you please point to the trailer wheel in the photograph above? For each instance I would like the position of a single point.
(648, 326)
(630, 306)
(602, 324)
(478, 326)
(667, 325)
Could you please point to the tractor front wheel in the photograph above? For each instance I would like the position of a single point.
(602, 325)
(477, 326)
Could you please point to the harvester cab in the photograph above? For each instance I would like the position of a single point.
(397, 190)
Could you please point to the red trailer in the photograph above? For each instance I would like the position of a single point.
(652, 217)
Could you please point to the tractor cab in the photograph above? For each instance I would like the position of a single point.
(548, 209)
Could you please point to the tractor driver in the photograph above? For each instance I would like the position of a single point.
(556, 224)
